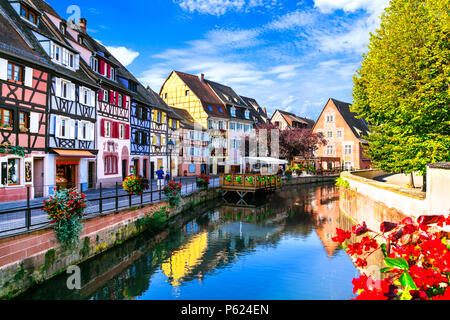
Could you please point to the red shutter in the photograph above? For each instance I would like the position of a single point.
(102, 132)
(127, 131)
(114, 130)
(109, 71)
(124, 104)
(111, 97)
(117, 98)
(100, 95)
(102, 67)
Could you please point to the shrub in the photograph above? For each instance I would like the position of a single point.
(135, 185)
(203, 181)
(65, 210)
(173, 193)
(416, 255)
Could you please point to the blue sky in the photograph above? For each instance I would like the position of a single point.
(287, 54)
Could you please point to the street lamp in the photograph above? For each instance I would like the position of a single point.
(171, 146)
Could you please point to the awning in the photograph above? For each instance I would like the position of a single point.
(74, 153)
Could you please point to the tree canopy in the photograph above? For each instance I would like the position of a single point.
(402, 88)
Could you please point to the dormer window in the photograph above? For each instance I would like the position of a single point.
(187, 93)
(62, 28)
(233, 112)
(28, 14)
(247, 114)
(210, 108)
(220, 110)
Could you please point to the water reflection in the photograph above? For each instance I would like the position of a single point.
(280, 247)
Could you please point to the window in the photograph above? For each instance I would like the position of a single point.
(247, 114)
(94, 64)
(348, 166)
(121, 131)
(233, 112)
(186, 93)
(159, 117)
(63, 131)
(120, 102)
(13, 171)
(220, 125)
(210, 124)
(232, 126)
(330, 150)
(23, 121)
(330, 118)
(110, 165)
(220, 110)
(108, 129)
(105, 96)
(62, 28)
(28, 14)
(348, 149)
(165, 95)
(246, 127)
(210, 108)
(238, 126)
(330, 134)
(15, 73)
(65, 90)
(339, 134)
(6, 118)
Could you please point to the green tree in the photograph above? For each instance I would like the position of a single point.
(402, 88)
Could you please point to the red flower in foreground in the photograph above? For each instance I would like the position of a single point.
(341, 236)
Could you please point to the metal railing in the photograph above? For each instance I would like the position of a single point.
(25, 215)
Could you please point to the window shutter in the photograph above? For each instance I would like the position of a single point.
(92, 93)
(72, 91)
(124, 104)
(100, 95)
(72, 129)
(53, 125)
(127, 131)
(80, 131)
(58, 127)
(114, 128)
(109, 71)
(102, 67)
(117, 98)
(91, 131)
(111, 97)
(34, 122)
(3, 69)
(170, 123)
(102, 128)
(28, 77)
(76, 61)
(58, 87)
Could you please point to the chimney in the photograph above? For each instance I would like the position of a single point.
(203, 77)
(265, 110)
(83, 25)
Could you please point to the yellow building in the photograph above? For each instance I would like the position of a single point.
(188, 92)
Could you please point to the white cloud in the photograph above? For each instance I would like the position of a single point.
(124, 55)
(292, 20)
(328, 6)
(220, 7)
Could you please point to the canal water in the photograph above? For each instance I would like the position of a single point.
(276, 248)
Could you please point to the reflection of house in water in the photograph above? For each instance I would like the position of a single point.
(325, 212)
(182, 261)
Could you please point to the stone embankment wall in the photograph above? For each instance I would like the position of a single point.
(32, 258)
(368, 198)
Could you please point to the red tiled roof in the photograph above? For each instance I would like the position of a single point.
(205, 94)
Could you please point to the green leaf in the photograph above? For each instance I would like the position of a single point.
(385, 270)
(398, 263)
(407, 281)
(384, 249)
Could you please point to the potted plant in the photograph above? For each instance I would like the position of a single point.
(65, 210)
(203, 181)
(135, 185)
(173, 193)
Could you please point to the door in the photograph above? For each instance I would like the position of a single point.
(152, 171)
(38, 177)
(145, 168)
(91, 175)
(124, 169)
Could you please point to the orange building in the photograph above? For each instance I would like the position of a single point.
(345, 134)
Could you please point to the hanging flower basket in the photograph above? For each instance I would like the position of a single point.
(203, 181)
(239, 180)
(173, 193)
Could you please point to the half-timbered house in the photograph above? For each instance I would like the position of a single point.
(24, 78)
